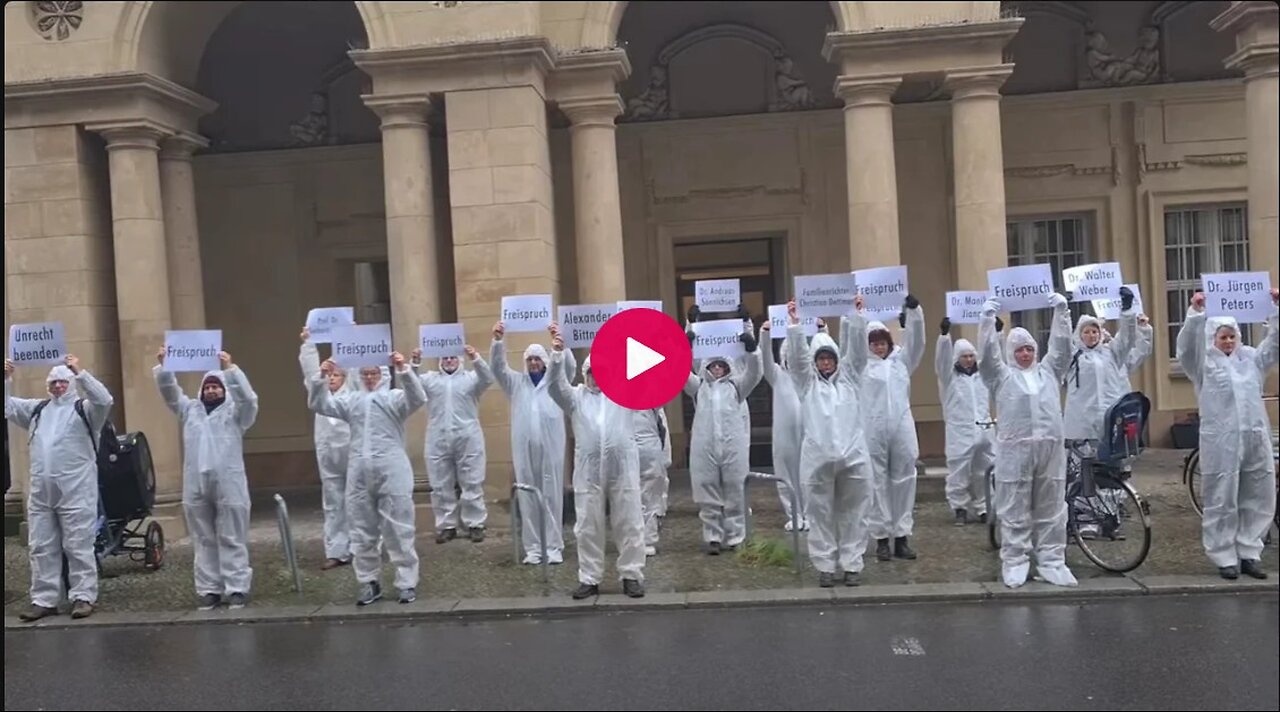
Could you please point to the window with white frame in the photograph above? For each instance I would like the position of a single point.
(1060, 241)
(1199, 239)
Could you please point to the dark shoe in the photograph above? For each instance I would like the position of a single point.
(852, 578)
(633, 588)
(36, 613)
(882, 550)
(982, 517)
(901, 550)
(713, 549)
(826, 580)
(330, 564)
(477, 535)
(208, 602)
(408, 595)
(584, 591)
(1253, 569)
(1229, 573)
(237, 601)
(446, 535)
(84, 609)
(369, 593)
(962, 517)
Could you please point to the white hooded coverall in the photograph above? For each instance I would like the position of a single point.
(379, 475)
(787, 431)
(215, 489)
(653, 438)
(1030, 488)
(333, 443)
(537, 444)
(965, 402)
(718, 452)
(834, 458)
(1236, 459)
(1098, 377)
(606, 466)
(891, 430)
(62, 510)
(454, 450)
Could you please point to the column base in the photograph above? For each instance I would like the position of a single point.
(15, 516)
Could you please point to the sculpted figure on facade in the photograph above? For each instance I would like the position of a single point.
(654, 103)
(1141, 66)
(312, 129)
(793, 91)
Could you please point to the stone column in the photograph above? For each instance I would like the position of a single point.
(181, 231)
(1255, 26)
(872, 175)
(597, 205)
(978, 160)
(412, 258)
(143, 304)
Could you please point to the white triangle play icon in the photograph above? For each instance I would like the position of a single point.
(640, 358)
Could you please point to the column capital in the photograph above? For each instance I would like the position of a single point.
(592, 110)
(399, 110)
(181, 147)
(870, 90)
(977, 82)
(131, 134)
(1256, 26)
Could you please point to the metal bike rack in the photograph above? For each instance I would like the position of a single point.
(517, 525)
(795, 510)
(286, 539)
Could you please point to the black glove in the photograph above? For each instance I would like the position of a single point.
(946, 326)
(748, 341)
(902, 319)
(694, 313)
(742, 311)
(690, 336)
(999, 325)
(911, 302)
(1126, 298)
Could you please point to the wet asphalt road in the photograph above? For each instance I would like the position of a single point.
(1197, 652)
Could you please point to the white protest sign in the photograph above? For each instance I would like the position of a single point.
(883, 290)
(821, 295)
(779, 322)
(186, 351)
(362, 345)
(525, 313)
(579, 323)
(1089, 282)
(440, 340)
(37, 344)
(654, 304)
(1110, 308)
(320, 322)
(718, 339)
(965, 307)
(1243, 295)
(1021, 288)
(717, 295)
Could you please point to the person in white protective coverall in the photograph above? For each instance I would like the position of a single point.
(379, 476)
(787, 430)
(966, 402)
(891, 431)
(333, 441)
(653, 439)
(719, 447)
(834, 457)
(454, 450)
(537, 441)
(1236, 456)
(1098, 376)
(1030, 487)
(606, 470)
(62, 509)
(215, 490)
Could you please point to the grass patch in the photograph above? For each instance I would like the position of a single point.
(766, 552)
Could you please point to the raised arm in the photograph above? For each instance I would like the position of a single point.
(172, 394)
(17, 410)
(1122, 347)
(749, 378)
(558, 382)
(1191, 344)
(1058, 358)
(321, 401)
(800, 358)
(414, 396)
(944, 361)
(853, 345)
(484, 375)
(502, 373)
(1145, 346)
(768, 366)
(1268, 352)
(98, 400)
(308, 360)
(913, 336)
(991, 362)
(242, 396)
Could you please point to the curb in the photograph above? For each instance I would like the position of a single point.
(481, 608)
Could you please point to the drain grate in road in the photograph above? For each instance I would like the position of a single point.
(907, 646)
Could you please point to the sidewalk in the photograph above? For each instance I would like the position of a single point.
(483, 578)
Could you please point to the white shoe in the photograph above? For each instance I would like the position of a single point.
(532, 559)
(1058, 575)
(1016, 575)
(804, 525)
(788, 526)
(651, 550)
(555, 557)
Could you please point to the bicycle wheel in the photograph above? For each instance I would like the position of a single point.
(993, 528)
(1191, 479)
(1111, 527)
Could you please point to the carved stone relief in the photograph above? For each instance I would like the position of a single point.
(57, 20)
(1141, 66)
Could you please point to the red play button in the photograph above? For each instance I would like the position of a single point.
(641, 358)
